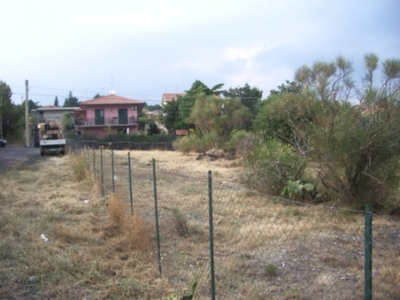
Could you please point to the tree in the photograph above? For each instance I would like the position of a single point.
(327, 80)
(97, 96)
(249, 96)
(288, 87)
(12, 116)
(5, 96)
(176, 114)
(67, 121)
(153, 107)
(219, 116)
(71, 101)
(56, 101)
(153, 129)
(353, 150)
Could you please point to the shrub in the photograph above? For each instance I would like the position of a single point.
(180, 222)
(270, 164)
(240, 142)
(80, 167)
(196, 143)
(185, 144)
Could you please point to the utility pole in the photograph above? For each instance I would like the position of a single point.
(27, 132)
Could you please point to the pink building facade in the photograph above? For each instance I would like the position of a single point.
(108, 115)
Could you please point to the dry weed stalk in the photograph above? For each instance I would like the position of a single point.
(133, 227)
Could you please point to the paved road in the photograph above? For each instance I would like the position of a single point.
(12, 155)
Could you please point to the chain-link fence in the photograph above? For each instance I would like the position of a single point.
(238, 244)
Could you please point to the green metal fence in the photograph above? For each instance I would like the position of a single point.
(239, 244)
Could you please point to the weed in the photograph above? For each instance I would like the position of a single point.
(116, 210)
(297, 188)
(291, 211)
(187, 297)
(80, 167)
(271, 270)
(137, 233)
(180, 222)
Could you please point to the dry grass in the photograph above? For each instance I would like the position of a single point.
(97, 250)
(86, 256)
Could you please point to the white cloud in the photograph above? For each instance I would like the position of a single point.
(242, 53)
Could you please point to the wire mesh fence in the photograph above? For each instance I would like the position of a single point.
(257, 246)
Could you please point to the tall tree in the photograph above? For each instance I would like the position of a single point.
(353, 150)
(56, 101)
(288, 87)
(71, 101)
(329, 81)
(5, 105)
(220, 116)
(176, 114)
(249, 96)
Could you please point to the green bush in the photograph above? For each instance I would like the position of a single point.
(195, 143)
(270, 164)
(240, 142)
(185, 144)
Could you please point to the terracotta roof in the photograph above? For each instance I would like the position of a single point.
(54, 108)
(168, 97)
(110, 100)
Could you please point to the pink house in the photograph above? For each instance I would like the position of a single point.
(108, 114)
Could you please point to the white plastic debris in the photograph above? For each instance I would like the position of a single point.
(86, 201)
(115, 177)
(44, 238)
(32, 278)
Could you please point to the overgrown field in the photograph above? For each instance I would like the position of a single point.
(263, 248)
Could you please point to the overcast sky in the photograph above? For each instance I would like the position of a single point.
(142, 49)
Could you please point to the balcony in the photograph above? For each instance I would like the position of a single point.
(101, 122)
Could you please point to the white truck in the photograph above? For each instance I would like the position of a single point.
(51, 138)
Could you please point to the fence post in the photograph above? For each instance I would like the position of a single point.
(368, 253)
(87, 158)
(112, 170)
(156, 215)
(130, 181)
(211, 229)
(94, 163)
(101, 170)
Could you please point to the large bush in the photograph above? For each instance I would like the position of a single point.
(353, 150)
(270, 164)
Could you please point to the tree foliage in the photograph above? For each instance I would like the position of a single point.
(153, 129)
(71, 101)
(67, 121)
(12, 115)
(327, 80)
(56, 101)
(353, 149)
(288, 87)
(249, 96)
(219, 116)
(176, 114)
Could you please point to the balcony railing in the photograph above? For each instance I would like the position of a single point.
(101, 121)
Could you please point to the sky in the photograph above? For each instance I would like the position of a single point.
(142, 49)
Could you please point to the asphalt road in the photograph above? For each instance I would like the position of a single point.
(10, 156)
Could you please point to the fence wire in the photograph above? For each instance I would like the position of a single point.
(264, 247)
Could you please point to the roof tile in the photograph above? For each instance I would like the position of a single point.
(109, 100)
